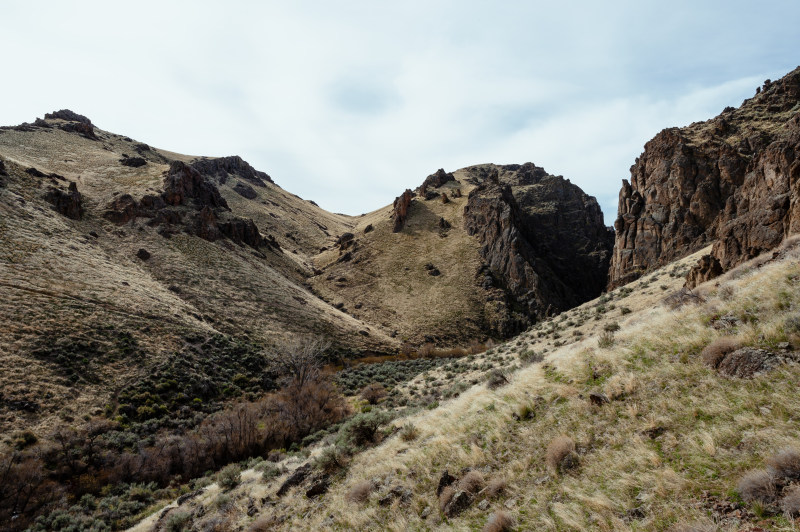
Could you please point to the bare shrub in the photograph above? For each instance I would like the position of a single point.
(409, 432)
(300, 359)
(697, 526)
(725, 292)
(499, 521)
(496, 379)
(606, 340)
(785, 465)
(445, 497)
(611, 327)
(373, 393)
(790, 503)
(682, 297)
(473, 482)
(757, 486)
(495, 487)
(561, 454)
(360, 492)
(714, 352)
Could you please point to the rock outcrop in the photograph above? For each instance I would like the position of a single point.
(222, 167)
(543, 241)
(68, 203)
(191, 203)
(72, 122)
(731, 181)
(435, 180)
(69, 116)
(401, 206)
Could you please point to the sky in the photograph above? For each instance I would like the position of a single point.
(348, 103)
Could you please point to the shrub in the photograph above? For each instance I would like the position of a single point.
(785, 465)
(495, 487)
(791, 501)
(361, 429)
(268, 471)
(792, 324)
(499, 521)
(757, 486)
(472, 482)
(714, 352)
(561, 454)
(409, 432)
(360, 492)
(223, 502)
(331, 459)
(176, 521)
(229, 477)
(606, 340)
(529, 356)
(496, 379)
(372, 393)
(445, 497)
(624, 310)
(611, 327)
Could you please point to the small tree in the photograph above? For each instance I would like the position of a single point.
(299, 361)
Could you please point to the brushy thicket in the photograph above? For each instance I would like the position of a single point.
(75, 461)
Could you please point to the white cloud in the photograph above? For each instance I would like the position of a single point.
(349, 103)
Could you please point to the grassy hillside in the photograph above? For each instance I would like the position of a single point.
(667, 451)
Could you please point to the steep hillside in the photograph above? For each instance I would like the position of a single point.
(730, 181)
(485, 250)
(653, 409)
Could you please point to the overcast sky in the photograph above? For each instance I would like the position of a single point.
(349, 103)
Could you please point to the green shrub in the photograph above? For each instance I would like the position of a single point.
(362, 429)
(229, 477)
(176, 521)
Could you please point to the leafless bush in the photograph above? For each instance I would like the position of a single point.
(714, 352)
(409, 432)
(790, 503)
(496, 379)
(682, 297)
(785, 465)
(360, 492)
(445, 497)
(473, 482)
(757, 486)
(300, 359)
(499, 521)
(495, 487)
(373, 393)
(561, 454)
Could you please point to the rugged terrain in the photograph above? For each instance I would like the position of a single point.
(730, 181)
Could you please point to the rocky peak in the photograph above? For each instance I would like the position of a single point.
(221, 167)
(543, 240)
(727, 181)
(69, 116)
(183, 184)
(435, 180)
(401, 206)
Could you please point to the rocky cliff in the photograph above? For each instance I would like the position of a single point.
(730, 181)
(544, 245)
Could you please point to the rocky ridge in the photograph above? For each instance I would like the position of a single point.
(730, 181)
(544, 245)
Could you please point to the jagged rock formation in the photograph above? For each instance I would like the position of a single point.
(69, 116)
(544, 243)
(730, 181)
(221, 167)
(67, 203)
(184, 186)
(435, 180)
(402, 204)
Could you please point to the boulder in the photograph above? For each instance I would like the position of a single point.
(133, 162)
(245, 190)
(67, 203)
(401, 206)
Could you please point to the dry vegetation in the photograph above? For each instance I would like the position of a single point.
(673, 449)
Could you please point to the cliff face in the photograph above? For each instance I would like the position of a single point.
(730, 181)
(543, 241)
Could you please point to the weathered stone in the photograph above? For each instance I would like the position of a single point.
(445, 480)
(401, 206)
(318, 488)
(461, 501)
(707, 268)
(598, 399)
(133, 162)
(68, 203)
(542, 239)
(245, 190)
(435, 180)
(731, 182)
(66, 114)
(747, 362)
(143, 254)
(295, 479)
(221, 167)
(182, 184)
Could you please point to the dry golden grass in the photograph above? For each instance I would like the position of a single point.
(672, 431)
(714, 352)
(499, 522)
